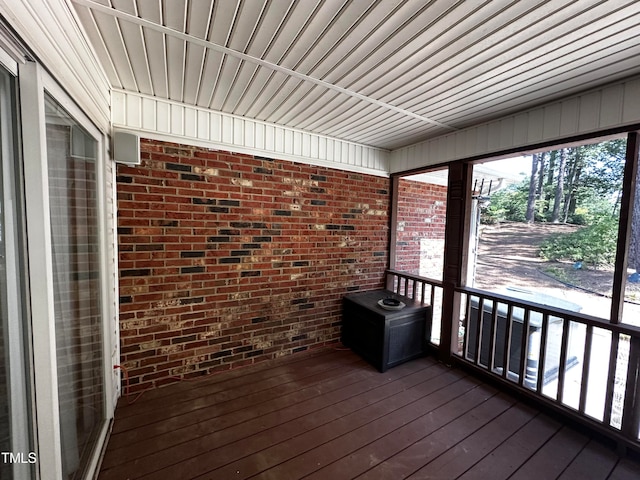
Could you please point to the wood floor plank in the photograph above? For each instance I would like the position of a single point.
(625, 469)
(458, 459)
(553, 457)
(437, 390)
(514, 451)
(275, 424)
(594, 462)
(330, 415)
(449, 437)
(202, 395)
(300, 436)
(410, 445)
(445, 405)
(173, 418)
(178, 429)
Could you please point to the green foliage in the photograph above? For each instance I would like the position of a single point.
(594, 244)
(509, 204)
(589, 192)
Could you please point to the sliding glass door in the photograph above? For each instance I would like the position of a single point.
(69, 302)
(72, 156)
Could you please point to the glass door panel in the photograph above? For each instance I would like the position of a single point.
(73, 190)
(18, 457)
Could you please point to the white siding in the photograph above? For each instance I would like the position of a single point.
(612, 106)
(50, 30)
(166, 120)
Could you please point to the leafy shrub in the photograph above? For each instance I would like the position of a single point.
(594, 244)
(509, 204)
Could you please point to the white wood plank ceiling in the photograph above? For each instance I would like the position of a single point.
(384, 73)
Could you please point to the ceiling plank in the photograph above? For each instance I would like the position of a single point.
(110, 32)
(199, 18)
(176, 35)
(475, 65)
(98, 43)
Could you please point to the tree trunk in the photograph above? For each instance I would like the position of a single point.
(531, 201)
(574, 176)
(541, 163)
(548, 182)
(555, 215)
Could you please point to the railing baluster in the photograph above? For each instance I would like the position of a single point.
(506, 354)
(524, 344)
(562, 364)
(492, 336)
(542, 357)
(611, 377)
(631, 408)
(586, 368)
(467, 329)
(479, 326)
(621, 417)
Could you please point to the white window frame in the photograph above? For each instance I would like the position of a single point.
(18, 372)
(34, 82)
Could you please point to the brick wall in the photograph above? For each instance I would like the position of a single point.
(421, 223)
(230, 259)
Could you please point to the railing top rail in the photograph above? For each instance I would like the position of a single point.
(625, 329)
(411, 276)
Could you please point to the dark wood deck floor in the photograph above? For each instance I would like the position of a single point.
(329, 415)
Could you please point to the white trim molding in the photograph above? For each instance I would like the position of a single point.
(160, 119)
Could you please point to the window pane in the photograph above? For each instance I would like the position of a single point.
(422, 212)
(71, 156)
(631, 307)
(548, 226)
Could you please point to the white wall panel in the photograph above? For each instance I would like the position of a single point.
(163, 117)
(191, 123)
(569, 116)
(172, 121)
(520, 123)
(551, 122)
(176, 119)
(631, 104)
(588, 119)
(149, 118)
(134, 112)
(612, 106)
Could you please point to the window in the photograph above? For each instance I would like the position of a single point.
(545, 230)
(422, 213)
(547, 227)
(420, 233)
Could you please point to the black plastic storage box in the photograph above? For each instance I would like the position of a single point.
(385, 335)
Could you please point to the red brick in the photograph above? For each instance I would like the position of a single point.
(292, 280)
